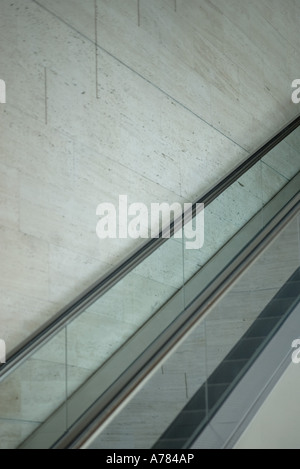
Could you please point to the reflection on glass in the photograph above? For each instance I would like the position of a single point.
(32, 392)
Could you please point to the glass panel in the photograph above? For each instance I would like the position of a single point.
(223, 218)
(273, 182)
(110, 322)
(32, 392)
(285, 157)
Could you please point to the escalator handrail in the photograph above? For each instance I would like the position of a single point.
(77, 306)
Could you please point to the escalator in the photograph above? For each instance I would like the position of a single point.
(77, 383)
(212, 393)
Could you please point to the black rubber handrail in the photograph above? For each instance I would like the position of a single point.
(46, 332)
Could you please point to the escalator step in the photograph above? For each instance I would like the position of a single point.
(277, 307)
(206, 397)
(185, 425)
(227, 372)
(262, 327)
(245, 349)
(290, 290)
(170, 444)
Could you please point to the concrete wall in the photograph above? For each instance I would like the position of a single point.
(176, 93)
